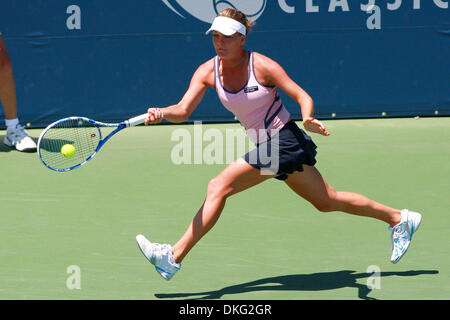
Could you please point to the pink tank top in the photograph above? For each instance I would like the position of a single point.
(257, 107)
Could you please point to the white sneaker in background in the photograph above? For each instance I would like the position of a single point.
(17, 138)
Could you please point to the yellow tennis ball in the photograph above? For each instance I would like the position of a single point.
(68, 150)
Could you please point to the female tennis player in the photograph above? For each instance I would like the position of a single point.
(247, 84)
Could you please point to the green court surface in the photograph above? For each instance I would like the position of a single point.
(268, 243)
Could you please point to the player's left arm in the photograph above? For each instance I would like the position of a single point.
(273, 74)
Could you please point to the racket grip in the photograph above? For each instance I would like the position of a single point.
(137, 120)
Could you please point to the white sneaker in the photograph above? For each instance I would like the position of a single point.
(160, 255)
(402, 233)
(17, 138)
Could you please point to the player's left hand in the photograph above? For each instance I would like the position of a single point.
(313, 125)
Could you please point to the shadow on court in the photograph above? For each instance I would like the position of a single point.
(300, 282)
(3, 147)
(54, 145)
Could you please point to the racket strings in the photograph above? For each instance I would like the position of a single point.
(81, 133)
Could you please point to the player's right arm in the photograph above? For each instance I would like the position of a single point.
(180, 112)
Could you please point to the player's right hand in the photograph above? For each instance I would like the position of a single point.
(155, 115)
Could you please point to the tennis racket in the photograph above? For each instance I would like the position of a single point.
(84, 134)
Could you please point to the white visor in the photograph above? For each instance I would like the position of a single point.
(227, 26)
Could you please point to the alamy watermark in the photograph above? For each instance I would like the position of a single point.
(213, 146)
(73, 281)
(374, 281)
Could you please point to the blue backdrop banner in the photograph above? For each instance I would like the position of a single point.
(112, 59)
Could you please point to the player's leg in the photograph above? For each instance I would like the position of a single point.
(310, 185)
(236, 177)
(7, 84)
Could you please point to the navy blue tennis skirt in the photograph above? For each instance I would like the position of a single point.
(284, 153)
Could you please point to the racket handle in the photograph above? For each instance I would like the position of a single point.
(137, 120)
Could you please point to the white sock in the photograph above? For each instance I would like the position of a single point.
(11, 123)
